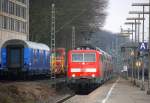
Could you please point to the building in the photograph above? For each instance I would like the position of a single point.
(14, 20)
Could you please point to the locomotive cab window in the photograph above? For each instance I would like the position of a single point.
(83, 57)
(77, 57)
(89, 57)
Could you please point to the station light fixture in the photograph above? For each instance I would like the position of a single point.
(138, 63)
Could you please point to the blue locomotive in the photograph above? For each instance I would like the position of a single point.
(24, 57)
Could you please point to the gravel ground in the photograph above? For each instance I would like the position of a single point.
(40, 91)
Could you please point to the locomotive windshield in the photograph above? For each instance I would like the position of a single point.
(77, 57)
(83, 57)
(89, 57)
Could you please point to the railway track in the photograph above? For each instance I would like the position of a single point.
(65, 99)
(77, 93)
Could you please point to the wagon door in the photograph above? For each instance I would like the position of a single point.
(15, 57)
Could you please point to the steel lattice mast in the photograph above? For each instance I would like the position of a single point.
(73, 37)
(53, 41)
(53, 28)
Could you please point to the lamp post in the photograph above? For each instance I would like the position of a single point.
(126, 34)
(132, 55)
(132, 23)
(135, 22)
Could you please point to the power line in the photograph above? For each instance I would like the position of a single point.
(71, 20)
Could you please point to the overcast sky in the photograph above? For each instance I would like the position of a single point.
(117, 12)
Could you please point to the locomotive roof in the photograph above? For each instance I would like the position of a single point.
(27, 44)
(92, 47)
(84, 46)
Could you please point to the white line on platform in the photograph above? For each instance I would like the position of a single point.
(110, 91)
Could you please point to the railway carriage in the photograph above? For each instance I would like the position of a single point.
(19, 57)
(88, 67)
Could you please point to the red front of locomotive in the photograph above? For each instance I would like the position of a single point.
(84, 64)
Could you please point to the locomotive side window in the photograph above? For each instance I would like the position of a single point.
(89, 57)
(77, 57)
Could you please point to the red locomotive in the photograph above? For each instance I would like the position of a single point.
(88, 67)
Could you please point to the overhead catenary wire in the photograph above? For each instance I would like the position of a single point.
(70, 21)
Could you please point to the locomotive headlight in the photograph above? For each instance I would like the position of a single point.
(73, 75)
(93, 75)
